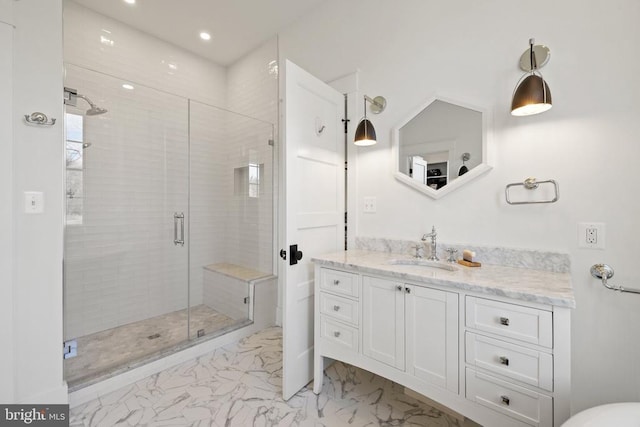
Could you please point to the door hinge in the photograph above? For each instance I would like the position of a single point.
(69, 349)
(346, 125)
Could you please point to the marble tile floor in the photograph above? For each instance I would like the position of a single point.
(240, 385)
(112, 349)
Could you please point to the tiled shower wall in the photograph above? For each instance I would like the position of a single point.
(120, 261)
(252, 89)
(121, 264)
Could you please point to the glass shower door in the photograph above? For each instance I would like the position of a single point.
(231, 216)
(126, 271)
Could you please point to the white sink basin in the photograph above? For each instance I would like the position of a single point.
(424, 263)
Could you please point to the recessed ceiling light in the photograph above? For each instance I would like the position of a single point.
(130, 1)
(205, 36)
(127, 86)
(106, 41)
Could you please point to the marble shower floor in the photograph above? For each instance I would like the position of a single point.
(240, 385)
(118, 348)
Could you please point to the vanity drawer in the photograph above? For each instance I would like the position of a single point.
(339, 308)
(339, 282)
(339, 333)
(510, 320)
(513, 361)
(525, 405)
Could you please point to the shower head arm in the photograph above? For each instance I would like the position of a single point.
(91, 104)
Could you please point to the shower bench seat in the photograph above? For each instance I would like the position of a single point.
(228, 288)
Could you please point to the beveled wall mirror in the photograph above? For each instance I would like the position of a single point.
(441, 146)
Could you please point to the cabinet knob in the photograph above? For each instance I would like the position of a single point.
(399, 288)
(336, 282)
(407, 290)
(504, 360)
(505, 400)
(336, 334)
(336, 308)
(504, 321)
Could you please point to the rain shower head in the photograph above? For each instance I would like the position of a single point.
(94, 110)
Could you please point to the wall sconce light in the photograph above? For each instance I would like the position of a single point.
(532, 94)
(365, 133)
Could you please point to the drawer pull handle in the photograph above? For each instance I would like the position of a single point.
(505, 400)
(504, 321)
(399, 288)
(336, 308)
(504, 360)
(336, 282)
(336, 334)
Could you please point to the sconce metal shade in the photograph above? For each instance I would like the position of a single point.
(532, 96)
(365, 133)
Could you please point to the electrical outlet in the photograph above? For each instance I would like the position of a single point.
(591, 235)
(369, 205)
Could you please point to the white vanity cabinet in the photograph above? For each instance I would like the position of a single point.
(432, 336)
(337, 310)
(411, 328)
(383, 322)
(509, 358)
(498, 361)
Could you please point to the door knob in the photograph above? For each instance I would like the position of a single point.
(294, 255)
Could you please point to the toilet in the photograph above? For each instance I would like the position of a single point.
(611, 415)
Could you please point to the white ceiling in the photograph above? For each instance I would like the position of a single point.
(236, 26)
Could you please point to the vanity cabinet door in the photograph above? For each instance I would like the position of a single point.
(383, 320)
(432, 336)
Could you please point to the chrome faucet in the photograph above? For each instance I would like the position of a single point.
(433, 235)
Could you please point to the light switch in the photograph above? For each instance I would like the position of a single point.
(33, 202)
(369, 205)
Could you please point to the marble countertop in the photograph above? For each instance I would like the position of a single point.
(524, 284)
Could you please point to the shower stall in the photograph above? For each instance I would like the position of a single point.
(169, 222)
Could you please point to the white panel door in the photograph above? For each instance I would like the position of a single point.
(419, 169)
(383, 320)
(314, 208)
(432, 336)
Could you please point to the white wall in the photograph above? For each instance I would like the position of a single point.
(37, 238)
(468, 50)
(6, 202)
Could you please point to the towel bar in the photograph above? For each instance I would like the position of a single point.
(532, 184)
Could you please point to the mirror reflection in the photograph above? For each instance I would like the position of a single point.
(440, 144)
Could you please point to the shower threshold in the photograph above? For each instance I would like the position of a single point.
(105, 354)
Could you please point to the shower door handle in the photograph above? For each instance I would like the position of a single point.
(178, 216)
